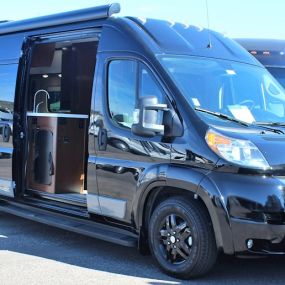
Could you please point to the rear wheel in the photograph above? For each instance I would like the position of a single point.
(182, 239)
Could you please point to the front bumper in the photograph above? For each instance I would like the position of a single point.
(266, 238)
(246, 207)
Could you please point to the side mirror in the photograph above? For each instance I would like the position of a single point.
(146, 117)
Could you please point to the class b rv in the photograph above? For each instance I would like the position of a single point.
(142, 132)
(270, 52)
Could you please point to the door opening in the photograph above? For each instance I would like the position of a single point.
(58, 110)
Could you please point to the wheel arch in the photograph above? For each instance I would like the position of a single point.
(201, 190)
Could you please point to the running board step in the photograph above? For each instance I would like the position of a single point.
(77, 225)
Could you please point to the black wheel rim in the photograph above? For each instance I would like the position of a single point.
(175, 239)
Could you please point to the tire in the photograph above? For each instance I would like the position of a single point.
(193, 237)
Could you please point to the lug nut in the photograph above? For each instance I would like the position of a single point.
(190, 241)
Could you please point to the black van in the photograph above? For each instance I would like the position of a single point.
(142, 132)
(270, 52)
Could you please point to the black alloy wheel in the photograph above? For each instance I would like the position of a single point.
(176, 239)
(181, 238)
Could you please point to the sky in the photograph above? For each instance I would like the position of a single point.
(235, 18)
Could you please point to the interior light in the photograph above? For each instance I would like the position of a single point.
(60, 75)
(45, 76)
(282, 53)
(254, 52)
(266, 53)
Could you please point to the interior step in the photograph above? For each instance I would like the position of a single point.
(78, 225)
(69, 198)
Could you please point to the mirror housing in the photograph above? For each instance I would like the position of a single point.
(173, 125)
(146, 116)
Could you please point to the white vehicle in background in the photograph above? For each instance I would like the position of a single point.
(6, 123)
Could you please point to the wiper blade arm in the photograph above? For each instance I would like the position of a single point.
(222, 116)
(268, 124)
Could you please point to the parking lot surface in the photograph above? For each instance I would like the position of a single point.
(31, 253)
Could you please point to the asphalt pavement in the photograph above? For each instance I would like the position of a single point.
(32, 253)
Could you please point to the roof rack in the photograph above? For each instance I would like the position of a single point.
(88, 14)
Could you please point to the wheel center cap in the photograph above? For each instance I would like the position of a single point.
(172, 239)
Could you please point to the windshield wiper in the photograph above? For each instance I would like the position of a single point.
(262, 125)
(280, 124)
(222, 116)
(267, 125)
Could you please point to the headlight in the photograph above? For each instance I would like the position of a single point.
(241, 152)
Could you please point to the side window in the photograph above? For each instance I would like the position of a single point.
(8, 76)
(122, 78)
(149, 86)
(128, 82)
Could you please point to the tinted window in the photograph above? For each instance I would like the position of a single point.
(122, 91)
(127, 83)
(150, 88)
(8, 77)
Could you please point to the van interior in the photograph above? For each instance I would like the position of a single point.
(58, 110)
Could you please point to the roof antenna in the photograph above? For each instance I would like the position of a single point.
(209, 45)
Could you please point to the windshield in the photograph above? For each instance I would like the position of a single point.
(278, 73)
(245, 92)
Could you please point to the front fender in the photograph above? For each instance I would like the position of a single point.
(212, 198)
(195, 181)
(174, 176)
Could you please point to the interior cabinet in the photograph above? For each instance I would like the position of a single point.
(56, 156)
